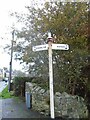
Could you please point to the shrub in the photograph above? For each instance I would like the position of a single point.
(19, 85)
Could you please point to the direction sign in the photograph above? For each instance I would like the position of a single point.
(60, 46)
(40, 47)
(49, 47)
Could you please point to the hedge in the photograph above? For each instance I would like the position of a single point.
(19, 85)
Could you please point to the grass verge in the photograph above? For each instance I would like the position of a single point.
(5, 94)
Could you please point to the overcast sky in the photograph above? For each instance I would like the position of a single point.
(7, 7)
(6, 22)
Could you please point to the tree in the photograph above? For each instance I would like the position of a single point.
(69, 23)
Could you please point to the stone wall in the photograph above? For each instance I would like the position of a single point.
(65, 104)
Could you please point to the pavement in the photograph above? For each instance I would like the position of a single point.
(16, 108)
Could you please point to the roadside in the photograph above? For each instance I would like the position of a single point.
(2, 86)
(15, 107)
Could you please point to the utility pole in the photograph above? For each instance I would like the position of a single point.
(10, 70)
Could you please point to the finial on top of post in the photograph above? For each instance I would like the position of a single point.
(49, 35)
(50, 39)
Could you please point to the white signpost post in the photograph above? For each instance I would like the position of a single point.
(49, 47)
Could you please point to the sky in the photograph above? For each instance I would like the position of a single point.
(6, 21)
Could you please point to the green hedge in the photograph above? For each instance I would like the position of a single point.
(19, 85)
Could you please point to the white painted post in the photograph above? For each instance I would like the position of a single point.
(51, 76)
(51, 46)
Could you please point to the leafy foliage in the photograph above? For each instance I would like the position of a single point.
(19, 85)
(68, 23)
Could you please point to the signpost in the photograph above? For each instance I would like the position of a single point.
(49, 47)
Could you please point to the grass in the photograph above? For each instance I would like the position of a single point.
(5, 94)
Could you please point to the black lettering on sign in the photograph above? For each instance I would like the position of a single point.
(60, 46)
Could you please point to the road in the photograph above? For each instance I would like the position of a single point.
(2, 85)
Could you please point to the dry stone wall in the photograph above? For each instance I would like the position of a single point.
(65, 105)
